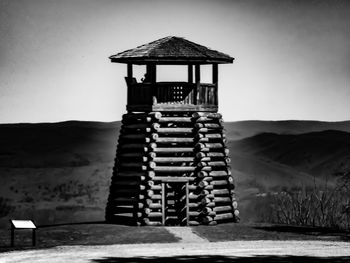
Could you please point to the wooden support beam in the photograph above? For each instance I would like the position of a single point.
(225, 216)
(173, 159)
(215, 73)
(174, 169)
(129, 71)
(222, 199)
(175, 119)
(224, 208)
(219, 182)
(173, 150)
(208, 125)
(190, 73)
(218, 192)
(173, 179)
(212, 115)
(198, 83)
(167, 140)
(187, 204)
(174, 130)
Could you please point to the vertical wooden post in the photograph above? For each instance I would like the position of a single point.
(12, 236)
(187, 206)
(135, 208)
(34, 237)
(215, 73)
(198, 82)
(215, 82)
(130, 73)
(129, 78)
(190, 73)
(152, 75)
(163, 203)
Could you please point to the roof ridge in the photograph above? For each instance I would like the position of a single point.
(195, 46)
(171, 49)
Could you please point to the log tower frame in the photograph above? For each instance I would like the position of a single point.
(172, 165)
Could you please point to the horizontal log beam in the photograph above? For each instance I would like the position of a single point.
(222, 199)
(208, 125)
(173, 150)
(166, 140)
(221, 192)
(224, 208)
(210, 115)
(174, 130)
(174, 169)
(225, 216)
(173, 179)
(220, 182)
(175, 119)
(220, 173)
(173, 159)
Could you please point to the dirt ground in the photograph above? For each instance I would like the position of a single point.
(177, 244)
(234, 251)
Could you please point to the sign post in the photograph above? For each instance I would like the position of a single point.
(22, 224)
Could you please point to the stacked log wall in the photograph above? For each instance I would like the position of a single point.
(154, 146)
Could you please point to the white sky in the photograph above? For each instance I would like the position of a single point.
(292, 57)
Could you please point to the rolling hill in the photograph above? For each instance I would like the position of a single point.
(60, 172)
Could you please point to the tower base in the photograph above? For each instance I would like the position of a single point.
(172, 169)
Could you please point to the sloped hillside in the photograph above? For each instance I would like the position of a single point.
(243, 129)
(318, 153)
(61, 172)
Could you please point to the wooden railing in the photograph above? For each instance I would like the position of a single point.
(172, 93)
(175, 93)
(140, 94)
(207, 94)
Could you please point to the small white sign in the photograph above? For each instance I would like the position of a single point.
(23, 224)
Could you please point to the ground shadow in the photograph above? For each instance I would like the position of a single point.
(76, 223)
(224, 259)
(305, 230)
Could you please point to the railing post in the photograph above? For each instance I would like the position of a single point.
(198, 83)
(151, 71)
(215, 82)
(129, 78)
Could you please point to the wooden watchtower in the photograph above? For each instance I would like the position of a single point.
(172, 166)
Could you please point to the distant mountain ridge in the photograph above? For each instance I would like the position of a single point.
(242, 129)
(61, 172)
(317, 153)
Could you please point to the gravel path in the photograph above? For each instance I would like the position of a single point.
(115, 253)
(185, 234)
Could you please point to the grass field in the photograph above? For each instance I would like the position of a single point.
(86, 234)
(106, 234)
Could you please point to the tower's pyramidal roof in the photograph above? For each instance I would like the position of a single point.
(171, 50)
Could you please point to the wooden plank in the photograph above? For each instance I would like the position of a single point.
(187, 205)
(174, 169)
(212, 115)
(173, 150)
(173, 179)
(225, 216)
(129, 70)
(215, 73)
(222, 208)
(174, 130)
(163, 203)
(173, 159)
(190, 73)
(175, 119)
(166, 140)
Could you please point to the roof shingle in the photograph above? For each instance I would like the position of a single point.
(171, 50)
